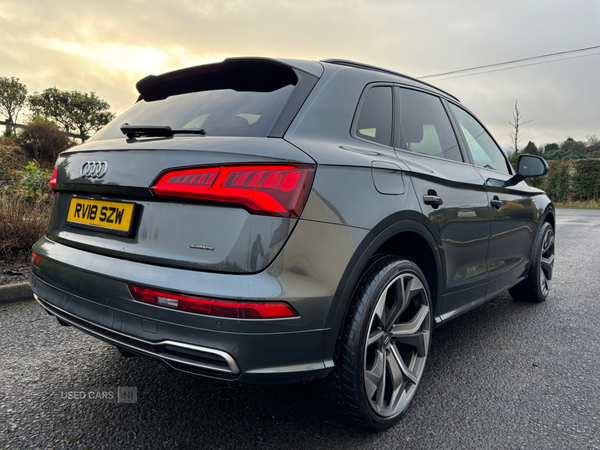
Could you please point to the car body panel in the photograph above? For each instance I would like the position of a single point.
(461, 224)
(512, 231)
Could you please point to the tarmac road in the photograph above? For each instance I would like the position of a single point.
(504, 376)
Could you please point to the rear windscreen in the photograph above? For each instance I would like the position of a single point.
(223, 102)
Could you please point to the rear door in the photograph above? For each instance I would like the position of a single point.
(451, 192)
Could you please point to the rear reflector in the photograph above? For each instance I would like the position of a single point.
(52, 182)
(269, 190)
(218, 308)
(35, 259)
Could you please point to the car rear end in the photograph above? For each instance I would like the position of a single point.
(189, 246)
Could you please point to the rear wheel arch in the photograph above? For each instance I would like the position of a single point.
(549, 217)
(408, 239)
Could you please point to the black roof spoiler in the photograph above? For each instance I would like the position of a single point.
(155, 87)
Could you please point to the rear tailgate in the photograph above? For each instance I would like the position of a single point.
(176, 232)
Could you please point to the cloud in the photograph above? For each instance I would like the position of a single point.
(107, 46)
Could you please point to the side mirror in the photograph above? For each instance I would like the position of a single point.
(528, 166)
(532, 166)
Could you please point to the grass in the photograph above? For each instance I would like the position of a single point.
(580, 204)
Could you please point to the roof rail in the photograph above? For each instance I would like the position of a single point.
(344, 62)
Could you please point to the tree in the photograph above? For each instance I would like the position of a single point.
(592, 140)
(593, 146)
(553, 151)
(550, 148)
(74, 110)
(516, 134)
(13, 97)
(530, 149)
(574, 149)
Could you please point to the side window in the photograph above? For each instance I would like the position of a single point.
(424, 126)
(375, 118)
(483, 149)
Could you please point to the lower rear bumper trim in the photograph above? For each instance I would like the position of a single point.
(179, 355)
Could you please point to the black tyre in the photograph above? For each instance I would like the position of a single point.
(536, 286)
(384, 342)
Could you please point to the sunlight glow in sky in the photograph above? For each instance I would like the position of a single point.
(136, 61)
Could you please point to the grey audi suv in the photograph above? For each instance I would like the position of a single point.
(278, 221)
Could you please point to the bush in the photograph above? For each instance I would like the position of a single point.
(35, 180)
(12, 163)
(23, 220)
(8, 133)
(586, 179)
(7, 141)
(558, 181)
(39, 119)
(43, 141)
(571, 180)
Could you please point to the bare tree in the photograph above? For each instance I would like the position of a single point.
(517, 123)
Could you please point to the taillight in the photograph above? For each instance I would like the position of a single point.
(52, 182)
(269, 190)
(208, 307)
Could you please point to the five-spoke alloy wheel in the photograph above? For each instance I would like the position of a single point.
(384, 342)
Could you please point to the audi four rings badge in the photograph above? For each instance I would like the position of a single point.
(94, 169)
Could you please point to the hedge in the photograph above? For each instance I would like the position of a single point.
(571, 180)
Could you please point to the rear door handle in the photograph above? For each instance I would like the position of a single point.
(432, 200)
(496, 202)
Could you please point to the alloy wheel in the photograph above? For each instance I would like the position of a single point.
(397, 345)
(547, 261)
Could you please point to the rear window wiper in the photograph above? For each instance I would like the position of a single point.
(135, 131)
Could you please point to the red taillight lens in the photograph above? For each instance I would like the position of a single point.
(269, 190)
(35, 259)
(219, 308)
(52, 181)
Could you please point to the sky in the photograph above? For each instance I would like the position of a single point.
(107, 46)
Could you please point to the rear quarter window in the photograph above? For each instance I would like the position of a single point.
(374, 120)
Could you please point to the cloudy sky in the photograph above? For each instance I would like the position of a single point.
(106, 46)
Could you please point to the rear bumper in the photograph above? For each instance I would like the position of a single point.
(246, 357)
(89, 291)
(185, 357)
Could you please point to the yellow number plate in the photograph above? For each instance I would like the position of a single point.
(113, 216)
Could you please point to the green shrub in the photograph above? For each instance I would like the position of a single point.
(558, 182)
(586, 179)
(571, 180)
(35, 180)
(39, 119)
